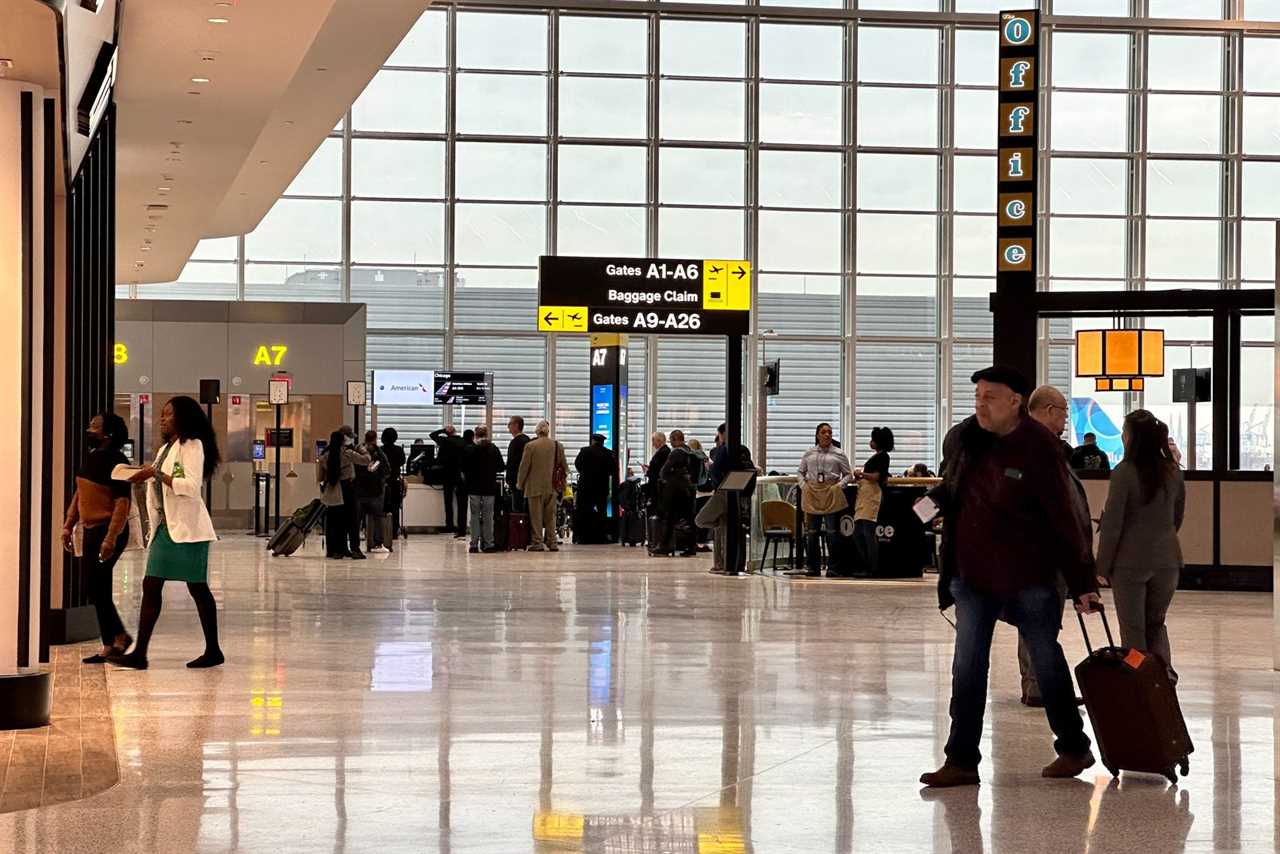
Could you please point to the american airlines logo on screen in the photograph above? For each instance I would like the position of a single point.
(403, 388)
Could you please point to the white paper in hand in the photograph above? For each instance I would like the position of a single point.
(926, 509)
(124, 472)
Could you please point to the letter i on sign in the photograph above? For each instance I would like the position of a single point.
(1015, 165)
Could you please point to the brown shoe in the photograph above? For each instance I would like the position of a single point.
(950, 775)
(1066, 765)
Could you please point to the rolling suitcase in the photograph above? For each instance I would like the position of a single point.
(656, 534)
(632, 528)
(293, 533)
(518, 529)
(685, 539)
(1134, 709)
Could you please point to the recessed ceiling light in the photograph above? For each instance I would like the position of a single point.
(184, 121)
(322, 68)
(223, 4)
(193, 92)
(199, 79)
(219, 21)
(144, 248)
(263, 162)
(163, 189)
(288, 124)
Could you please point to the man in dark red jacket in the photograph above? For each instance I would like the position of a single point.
(1012, 530)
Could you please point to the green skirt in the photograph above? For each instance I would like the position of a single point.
(177, 561)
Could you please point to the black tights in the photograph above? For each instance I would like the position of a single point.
(152, 594)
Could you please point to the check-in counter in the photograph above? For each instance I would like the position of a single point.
(1226, 531)
(423, 511)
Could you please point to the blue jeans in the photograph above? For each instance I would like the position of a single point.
(814, 522)
(1037, 612)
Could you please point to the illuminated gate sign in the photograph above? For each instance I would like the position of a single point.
(645, 295)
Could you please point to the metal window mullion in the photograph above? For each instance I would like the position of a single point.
(552, 244)
(1137, 243)
(651, 220)
(240, 289)
(751, 222)
(1044, 178)
(1233, 172)
(346, 208)
(451, 196)
(946, 228)
(849, 259)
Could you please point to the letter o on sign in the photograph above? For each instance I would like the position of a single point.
(1017, 31)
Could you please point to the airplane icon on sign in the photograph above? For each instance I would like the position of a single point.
(575, 316)
(715, 270)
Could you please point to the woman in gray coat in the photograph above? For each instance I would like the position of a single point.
(1139, 554)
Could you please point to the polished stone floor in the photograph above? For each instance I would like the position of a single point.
(596, 700)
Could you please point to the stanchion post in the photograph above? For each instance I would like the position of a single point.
(733, 440)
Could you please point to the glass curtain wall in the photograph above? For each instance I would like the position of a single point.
(849, 153)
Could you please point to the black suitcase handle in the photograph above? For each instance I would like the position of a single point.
(1105, 625)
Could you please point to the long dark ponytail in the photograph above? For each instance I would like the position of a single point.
(333, 458)
(1147, 450)
(190, 422)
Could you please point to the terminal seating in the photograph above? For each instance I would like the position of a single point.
(778, 520)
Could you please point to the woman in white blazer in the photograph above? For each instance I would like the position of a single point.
(180, 525)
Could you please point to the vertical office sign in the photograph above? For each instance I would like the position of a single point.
(1019, 142)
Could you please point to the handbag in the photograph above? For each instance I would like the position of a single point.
(559, 472)
(822, 499)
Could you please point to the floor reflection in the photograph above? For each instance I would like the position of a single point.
(597, 701)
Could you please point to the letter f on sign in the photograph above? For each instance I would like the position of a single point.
(1018, 74)
(1018, 118)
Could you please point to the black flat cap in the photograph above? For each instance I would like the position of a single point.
(1004, 375)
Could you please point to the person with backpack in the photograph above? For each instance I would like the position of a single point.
(597, 472)
(543, 477)
(677, 499)
(370, 486)
(393, 496)
(481, 469)
(336, 473)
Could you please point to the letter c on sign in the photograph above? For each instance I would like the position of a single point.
(1015, 254)
(1017, 31)
(1015, 209)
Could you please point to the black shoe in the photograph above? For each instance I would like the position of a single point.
(460, 535)
(357, 555)
(96, 658)
(209, 659)
(133, 661)
(474, 550)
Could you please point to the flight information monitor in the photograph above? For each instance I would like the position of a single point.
(464, 388)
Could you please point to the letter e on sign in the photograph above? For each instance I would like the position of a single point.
(1014, 255)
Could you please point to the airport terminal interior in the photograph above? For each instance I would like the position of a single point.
(870, 331)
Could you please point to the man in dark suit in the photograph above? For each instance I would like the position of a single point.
(515, 452)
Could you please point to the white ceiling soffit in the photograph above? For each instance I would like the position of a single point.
(227, 153)
(29, 35)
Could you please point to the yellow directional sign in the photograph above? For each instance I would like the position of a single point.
(561, 318)
(726, 285)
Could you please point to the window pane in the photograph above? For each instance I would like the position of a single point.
(1091, 7)
(518, 370)
(1086, 121)
(966, 360)
(893, 55)
(691, 386)
(704, 48)
(407, 352)
(1261, 125)
(975, 118)
(393, 167)
(298, 230)
(603, 108)
(809, 394)
(197, 281)
(684, 233)
(424, 46)
(897, 306)
(1262, 65)
(491, 103)
(322, 174)
(700, 110)
(1091, 60)
(1257, 408)
(399, 297)
(900, 5)
(597, 173)
(1086, 247)
(500, 234)
(800, 179)
(1081, 186)
(976, 57)
(501, 171)
(902, 117)
(397, 233)
(1262, 10)
(292, 283)
(800, 114)
(502, 42)
(898, 388)
(608, 45)
(897, 243)
(215, 249)
(905, 182)
(1183, 249)
(573, 398)
(975, 184)
(637, 405)
(1184, 62)
(496, 299)
(1184, 123)
(401, 101)
(800, 241)
(1258, 251)
(971, 315)
(1185, 9)
(975, 241)
(700, 176)
(808, 305)
(1185, 187)
(801, 52)
(1261, 189)
(601, 231)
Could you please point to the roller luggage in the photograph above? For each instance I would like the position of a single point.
(632, 528)
(293, 533)
(1134, 709)
(517, 532)
(655, 533)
